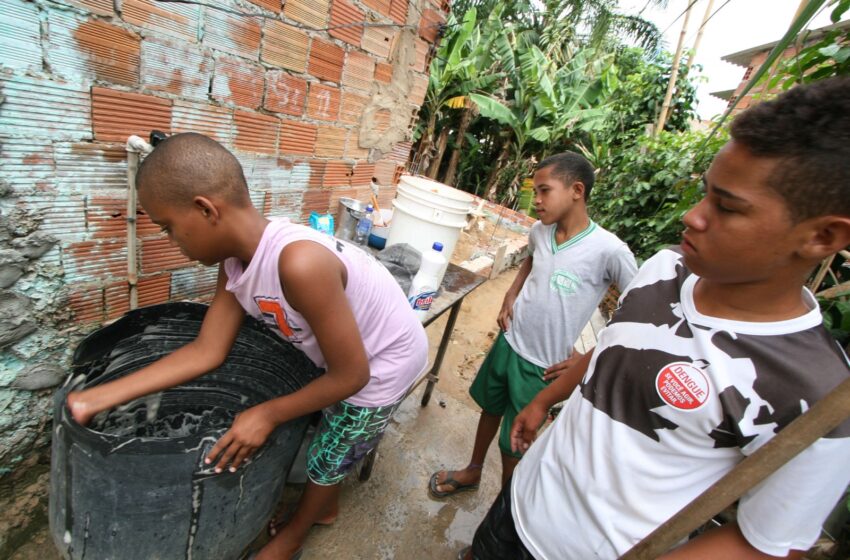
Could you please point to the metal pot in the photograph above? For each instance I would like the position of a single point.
(348, 214)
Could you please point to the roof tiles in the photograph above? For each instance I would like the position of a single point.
(117, 114)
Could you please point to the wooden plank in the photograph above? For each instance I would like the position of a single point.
(597, 322)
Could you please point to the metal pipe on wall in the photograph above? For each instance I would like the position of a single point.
(136, 147)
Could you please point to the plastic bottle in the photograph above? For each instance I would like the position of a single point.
(425, 284)
(364, 226)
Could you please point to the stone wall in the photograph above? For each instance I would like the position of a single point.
(312, 113)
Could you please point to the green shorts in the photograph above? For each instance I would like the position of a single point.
(345, 435)
(505, 384)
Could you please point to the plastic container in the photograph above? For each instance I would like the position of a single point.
(364, 226)
(426, 283)
(427, 211)
(133, 484)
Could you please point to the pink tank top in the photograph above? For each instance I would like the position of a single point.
(394, 339)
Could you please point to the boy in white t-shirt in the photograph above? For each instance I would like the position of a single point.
(571, 263)
(717, 345)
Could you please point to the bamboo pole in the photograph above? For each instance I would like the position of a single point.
(674, 74)
(697, 41)
(822, 418)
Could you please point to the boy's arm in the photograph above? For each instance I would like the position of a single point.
(208, 351)
(507, 311)
(530, 418)
(723, 542)
(313, 281)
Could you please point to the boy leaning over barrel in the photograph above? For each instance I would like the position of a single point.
(330, 299)
(572, 262)
(715, 348)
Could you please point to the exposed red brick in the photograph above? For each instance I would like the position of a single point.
(429, 24)
(386, 194)
(273, 5)
(108, 52)
(418, 89)
(144, 225)
(380, 6)
(284, 46)
(154, 289)
(106, 217)
(86, 304)
(422, 52)
(353, 106)
(381, 121)
(117, 299)
(238, 82)
(256, 132)
(317, 173)
(176, 20)
(210, 120)
(117, 114)
(353, 150)
(359, 71)
(323, 102)
(330, 141)
(310, 12)
(384, 171)
(315, 200)
(297, 138)
(401, 152)
(362, 174)
(384, 72)
(174, 67)
(158, 255)
(326, 60)
(99, 7)
(337, 174)
(95, 259)
(344, 13)
(399, 171)
(398, 11)
(232, 33)
(285, 93)
(379, 40)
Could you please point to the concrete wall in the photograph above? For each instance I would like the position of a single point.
(311, 114)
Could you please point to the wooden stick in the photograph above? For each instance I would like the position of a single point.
(824, 268)
(821, 419)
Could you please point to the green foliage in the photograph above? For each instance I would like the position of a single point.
(825, 58)
(644, 189)
(836, 319)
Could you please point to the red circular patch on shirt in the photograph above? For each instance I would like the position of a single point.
(682, 385)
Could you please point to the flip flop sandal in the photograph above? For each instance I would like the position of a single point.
(457, 486)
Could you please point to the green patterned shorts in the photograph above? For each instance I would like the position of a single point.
(345, 435)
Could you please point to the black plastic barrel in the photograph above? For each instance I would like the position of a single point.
(133, 484)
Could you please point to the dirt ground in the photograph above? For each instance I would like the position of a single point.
(392, 515)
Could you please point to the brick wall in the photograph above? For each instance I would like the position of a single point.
(312, 115)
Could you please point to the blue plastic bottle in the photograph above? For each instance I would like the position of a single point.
(364, 226)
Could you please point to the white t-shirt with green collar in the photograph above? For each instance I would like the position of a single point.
(566, 283)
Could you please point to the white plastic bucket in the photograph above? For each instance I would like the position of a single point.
(427, 211)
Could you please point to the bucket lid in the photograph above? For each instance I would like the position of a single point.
(436, 188)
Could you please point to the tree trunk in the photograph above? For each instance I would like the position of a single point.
(442, 142)
(425, 142)
(497, 167)
(460, 139)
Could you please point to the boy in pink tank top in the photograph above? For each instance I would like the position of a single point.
(337, 304)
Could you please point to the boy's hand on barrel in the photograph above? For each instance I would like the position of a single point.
(249, 431)
(79, 407)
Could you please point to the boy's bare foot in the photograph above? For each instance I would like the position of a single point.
(446, 483)
(279, 521)
(284, 546)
